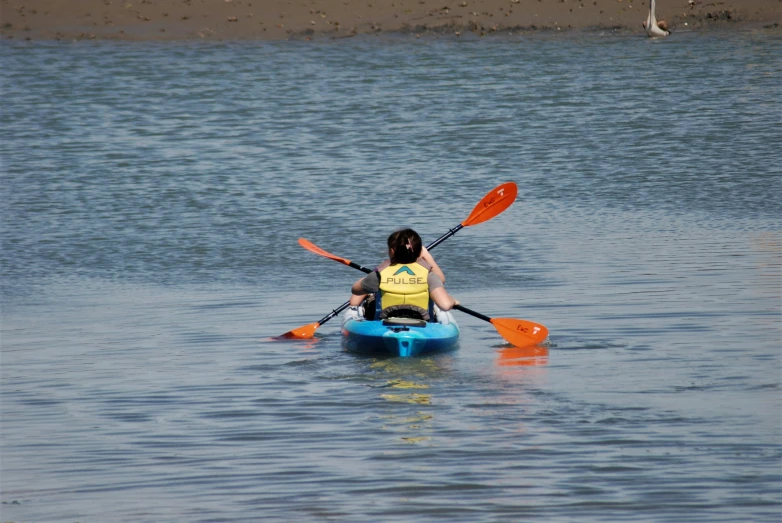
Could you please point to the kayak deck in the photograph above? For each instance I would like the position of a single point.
(398, 338)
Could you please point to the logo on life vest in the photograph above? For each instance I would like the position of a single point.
(406, 269)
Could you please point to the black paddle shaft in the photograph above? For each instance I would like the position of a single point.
(472, 313)
(359, 267)
(444, 237)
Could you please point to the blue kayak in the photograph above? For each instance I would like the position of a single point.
(398, 336)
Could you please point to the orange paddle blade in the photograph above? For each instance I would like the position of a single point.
(302, 333)
(492, 204)
(520, 333)
(317, 250)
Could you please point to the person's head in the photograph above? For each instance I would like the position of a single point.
(404, 246)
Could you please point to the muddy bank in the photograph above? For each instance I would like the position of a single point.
(326, 19)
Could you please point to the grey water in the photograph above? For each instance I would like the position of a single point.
(152, 196)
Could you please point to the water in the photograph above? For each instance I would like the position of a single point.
(152, 196)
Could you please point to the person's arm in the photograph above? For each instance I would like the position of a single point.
(427, 257)
(356, 289)
(364, 286)
(357, 294)
(443, 300)
(357, 299)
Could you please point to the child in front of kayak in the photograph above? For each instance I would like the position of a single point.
(406, 283)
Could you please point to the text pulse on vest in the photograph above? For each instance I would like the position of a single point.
(405, 281)
(405, 276)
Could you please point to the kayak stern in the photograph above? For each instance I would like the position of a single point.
(377, 337)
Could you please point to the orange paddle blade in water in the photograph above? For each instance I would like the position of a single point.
(520, 333)
(492, 204)
(302, 333)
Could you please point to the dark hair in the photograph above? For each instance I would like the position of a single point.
(406, 245)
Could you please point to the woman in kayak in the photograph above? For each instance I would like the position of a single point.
(405, 285)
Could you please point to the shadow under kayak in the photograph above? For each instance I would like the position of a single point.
(399, 337)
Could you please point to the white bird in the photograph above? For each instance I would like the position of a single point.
(654, 28)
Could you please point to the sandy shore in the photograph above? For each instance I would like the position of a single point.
(326, 19)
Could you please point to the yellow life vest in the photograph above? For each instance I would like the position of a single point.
(404, 284)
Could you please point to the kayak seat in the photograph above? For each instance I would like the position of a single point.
(403, 311)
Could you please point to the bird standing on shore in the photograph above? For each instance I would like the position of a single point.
(652, 26)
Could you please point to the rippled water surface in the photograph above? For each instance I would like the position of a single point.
(152, 196)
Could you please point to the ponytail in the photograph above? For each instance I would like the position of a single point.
(406, 245)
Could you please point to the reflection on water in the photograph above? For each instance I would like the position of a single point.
(522, 356)
(414, 398)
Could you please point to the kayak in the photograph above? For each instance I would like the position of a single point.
(402, 337)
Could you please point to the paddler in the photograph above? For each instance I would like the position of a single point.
(408, 285)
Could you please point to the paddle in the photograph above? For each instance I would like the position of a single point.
(520, 333)
(496, 201)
